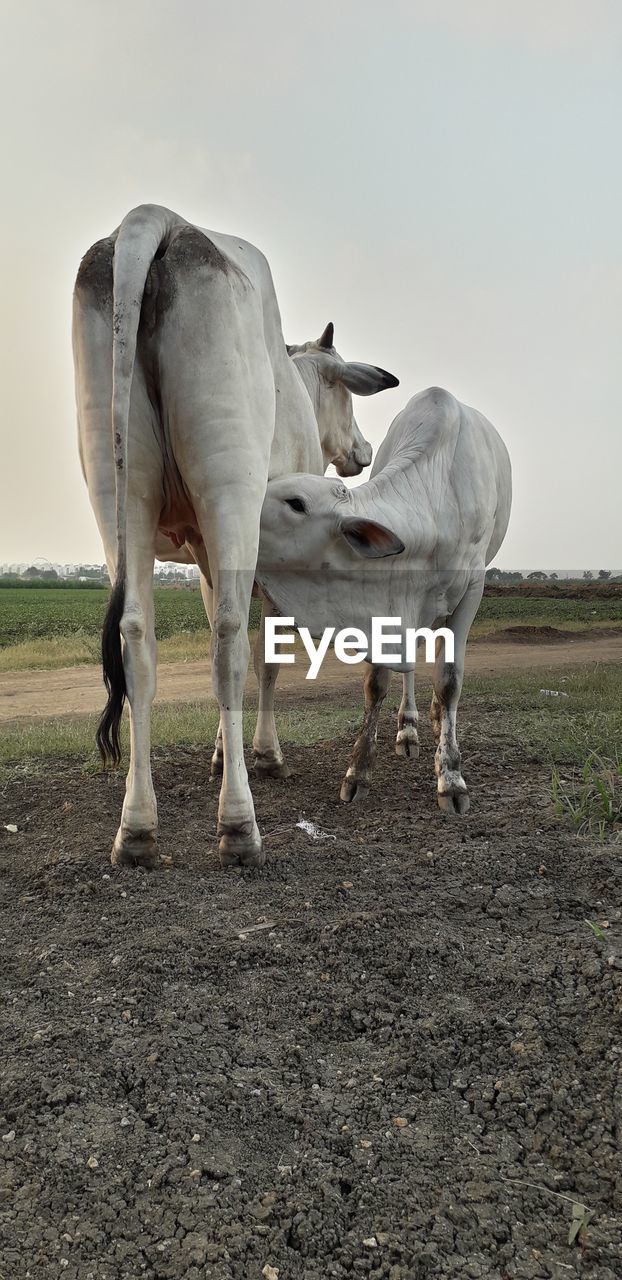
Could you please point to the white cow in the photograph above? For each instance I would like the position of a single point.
(411, 543)
(329, 382)
(187, 403)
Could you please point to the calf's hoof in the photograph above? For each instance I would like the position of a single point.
(216, 768)
(134, 849)
(351, 788)
(454, 803)
(407, 744)
(270, 767)
(240, 845)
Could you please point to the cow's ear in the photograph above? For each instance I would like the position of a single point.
(290, 350)
(370, 539)
(365, 379)
(327, 339)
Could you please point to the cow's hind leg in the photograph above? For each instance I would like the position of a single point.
(135, 841)
(452, 794)
(240, 841)
(375, 685)
(231, 550)
(407, 740)
(269, 760)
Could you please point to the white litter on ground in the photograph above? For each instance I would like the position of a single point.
(314, 832)
(553, 693)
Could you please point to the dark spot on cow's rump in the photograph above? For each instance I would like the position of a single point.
(187, 252)
(192, 248)
(95, 272)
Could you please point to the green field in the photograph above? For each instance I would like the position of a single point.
(52, 627)
(568, 615)
(59, 611)
(59, 626)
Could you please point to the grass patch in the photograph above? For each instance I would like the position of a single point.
(591, 797)
(557, 731)
(188, 646)
(81, 650)
(562, 730)
(173, 724)
(50, 653)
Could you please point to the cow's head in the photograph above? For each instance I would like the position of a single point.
(330, 381)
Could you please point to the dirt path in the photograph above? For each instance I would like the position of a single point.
(393, 1053)
(78, 690)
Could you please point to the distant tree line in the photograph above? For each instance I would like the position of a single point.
(71, 584)
(502, 577)
(93, 578)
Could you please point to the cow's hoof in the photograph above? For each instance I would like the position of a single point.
(240, 845)
(351, 788)
(407, 744)
(454, 803)
(271, 767)
(134, 849)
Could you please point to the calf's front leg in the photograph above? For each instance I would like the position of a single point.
(407, 740)
(452, 793)
(375, 685)
(269, 760)
(216, 766)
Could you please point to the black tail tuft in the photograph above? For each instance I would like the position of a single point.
(107, 736)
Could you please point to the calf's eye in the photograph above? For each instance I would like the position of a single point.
(296, 504)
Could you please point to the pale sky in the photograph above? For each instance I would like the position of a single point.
(441, 178)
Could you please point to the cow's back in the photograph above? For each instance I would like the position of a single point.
(482, 482)
(448, 473)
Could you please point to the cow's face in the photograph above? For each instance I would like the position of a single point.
(330, 381)
(307, 524)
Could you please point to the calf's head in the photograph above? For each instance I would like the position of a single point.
(307, 523)
(330, 381)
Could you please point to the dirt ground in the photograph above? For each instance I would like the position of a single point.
(395, 1053)
(77, 690)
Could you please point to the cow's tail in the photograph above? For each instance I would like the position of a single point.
(138, 240)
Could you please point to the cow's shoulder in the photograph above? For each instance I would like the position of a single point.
(94, 278)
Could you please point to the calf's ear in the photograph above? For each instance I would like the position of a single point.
(370, 539)
(365, 379)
